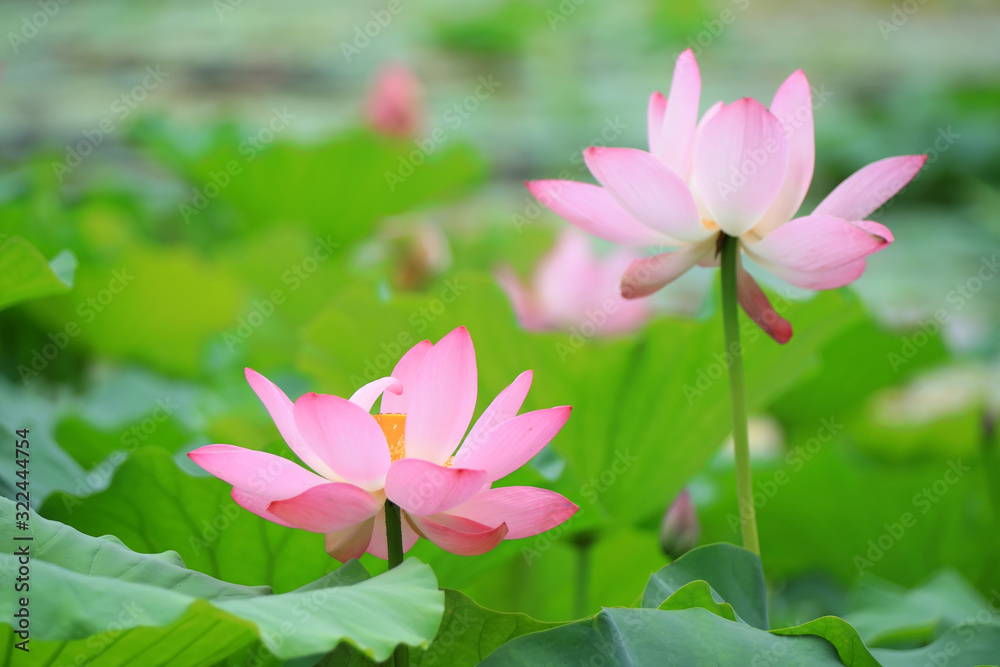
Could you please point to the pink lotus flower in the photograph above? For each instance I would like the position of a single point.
(403, 454)
(395, 103)
(572, 287)
(742, 170)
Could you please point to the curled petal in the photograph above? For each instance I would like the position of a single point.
(405, 371)
(422, 488)
(757, 306)
(650, 274)
(366, 396)
(740, 162)
(525, 510)
(648, 189)
(593, 209)
(346, 437)
(327, 508)
(868, 188)
(458, 535)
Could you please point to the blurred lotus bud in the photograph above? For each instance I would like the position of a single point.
(418, 253)
(680, 528)
(395, 103)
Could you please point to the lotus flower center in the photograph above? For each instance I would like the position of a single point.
(393, 426)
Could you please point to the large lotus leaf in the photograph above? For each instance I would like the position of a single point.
(93, 599)
(26, 274)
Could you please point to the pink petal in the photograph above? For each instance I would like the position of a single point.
(405, 371)
(378, 546)
(681, 114)
(257, 504)
(522, 302)
(566, 278)
(820, 242)
(507, 447)
(443, 398)
(654, 122)
(350, 542)
(818, 280)
(280, 408)
(595, 211)
(421, 487)
(648, 189)
(346, 437)
(460, 536)
(650, 274)
(870, 187)
(505, 406)
(792, 106)
(740, 162)
(525, 510)
(757, 306)
(366, 396)
(327, 508)
(264, 474)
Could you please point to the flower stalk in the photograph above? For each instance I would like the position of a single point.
(394, 542)
(734, 353)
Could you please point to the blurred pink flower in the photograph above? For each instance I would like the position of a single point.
(573, 286)
(404, 454)
(395, 103)
(741, 169)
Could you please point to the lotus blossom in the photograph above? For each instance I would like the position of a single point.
(406, 454)
(573, 286)
(742, 170)
(395, 103)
